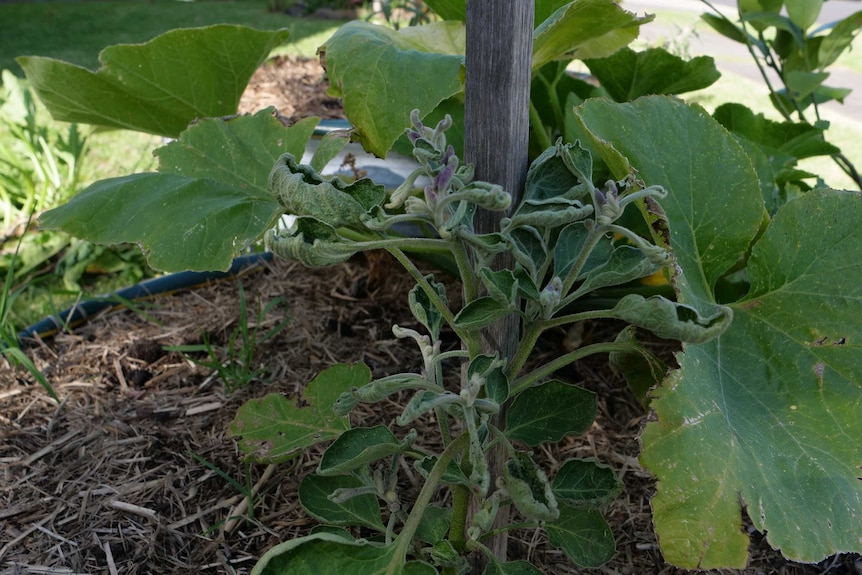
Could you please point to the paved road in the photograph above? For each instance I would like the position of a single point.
(734, 58)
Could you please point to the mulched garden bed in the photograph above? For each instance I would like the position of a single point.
(113, 480)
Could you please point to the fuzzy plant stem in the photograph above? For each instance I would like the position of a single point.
(529, 379)
(539, 128)
(405, 538)
(460, 509)
(536, 328)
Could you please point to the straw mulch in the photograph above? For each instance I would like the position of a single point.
(121, 476)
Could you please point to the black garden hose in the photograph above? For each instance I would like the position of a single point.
(81, 312)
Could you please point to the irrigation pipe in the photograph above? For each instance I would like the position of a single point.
(81, 312)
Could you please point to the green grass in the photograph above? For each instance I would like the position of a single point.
(77, 31)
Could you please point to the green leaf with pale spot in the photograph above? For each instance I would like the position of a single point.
(584, 29)
(157, 87)
(584, 536)
(207, 205)
(362, 510)
(373, 70)
(327, 553)
(767, 415)
(779, 396)
(549, 412)
(274, 428)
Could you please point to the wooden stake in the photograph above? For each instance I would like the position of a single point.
(497, 124)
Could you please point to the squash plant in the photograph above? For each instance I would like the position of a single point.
(764, 416)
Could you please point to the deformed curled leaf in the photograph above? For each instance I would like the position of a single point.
(312, 243)
(380, 389)
(672, 320)
(549, 213)
(529, 488)
(424, 310)
(423, 402)
(304, 192)
(561, 171)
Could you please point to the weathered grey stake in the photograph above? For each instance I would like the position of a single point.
(497, 114)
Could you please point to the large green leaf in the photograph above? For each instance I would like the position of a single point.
(770, 411)
(209, 203)
(157, 87)
(273, 428)
(584, 29)
(627, 75)
(714, 206)
(382, 75)
(329, 553)
(778, 396)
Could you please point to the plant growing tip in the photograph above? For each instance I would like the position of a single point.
(551, 230)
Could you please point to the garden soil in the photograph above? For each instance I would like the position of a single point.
(128, 474)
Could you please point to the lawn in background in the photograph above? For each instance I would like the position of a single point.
(77, 31)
